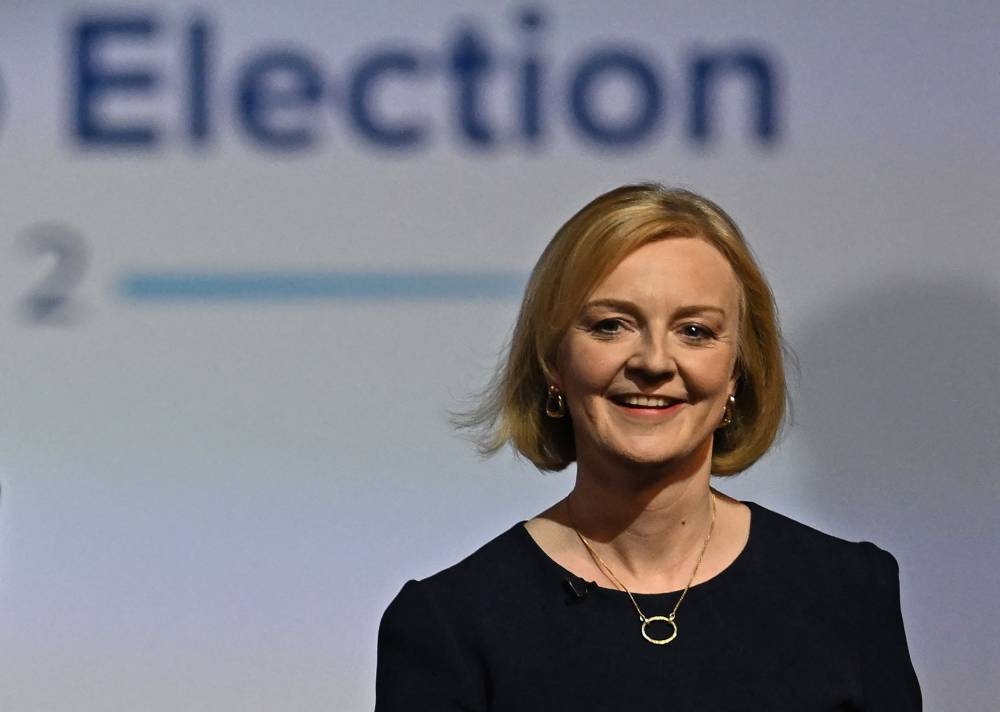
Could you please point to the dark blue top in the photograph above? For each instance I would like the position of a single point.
(800, 621)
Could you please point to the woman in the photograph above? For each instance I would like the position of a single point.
(647, 351)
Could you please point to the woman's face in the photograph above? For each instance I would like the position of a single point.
(649, 363)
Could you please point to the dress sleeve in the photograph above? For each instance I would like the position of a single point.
(420, 663)
(890, 683)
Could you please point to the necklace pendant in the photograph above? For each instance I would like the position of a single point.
(654, 619)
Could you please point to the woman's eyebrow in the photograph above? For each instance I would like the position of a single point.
(694, 309)
(615, 304)
(632, 308)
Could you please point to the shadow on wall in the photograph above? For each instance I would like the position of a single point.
(900, 407)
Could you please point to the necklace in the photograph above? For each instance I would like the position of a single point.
(670, 619)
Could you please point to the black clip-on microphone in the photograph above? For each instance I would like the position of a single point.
(577, 589)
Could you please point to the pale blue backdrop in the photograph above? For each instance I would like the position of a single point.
(253, 254)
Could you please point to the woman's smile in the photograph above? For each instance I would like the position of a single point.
(645, 401)
(647, 408)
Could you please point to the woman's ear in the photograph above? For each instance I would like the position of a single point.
(735, 376)
(551, 373)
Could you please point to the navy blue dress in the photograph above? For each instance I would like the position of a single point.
(800, 621)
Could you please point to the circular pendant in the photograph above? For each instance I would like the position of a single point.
(654, 619)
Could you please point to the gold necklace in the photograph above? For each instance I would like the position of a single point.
(646, 620)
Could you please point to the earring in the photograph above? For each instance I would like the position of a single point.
(727, 412)
(555, 404)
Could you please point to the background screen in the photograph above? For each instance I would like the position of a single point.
(253, 255)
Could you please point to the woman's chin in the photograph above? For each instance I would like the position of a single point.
(663, 460)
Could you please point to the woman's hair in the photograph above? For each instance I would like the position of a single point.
(581, 255)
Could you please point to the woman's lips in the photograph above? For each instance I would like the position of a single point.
(645, 402)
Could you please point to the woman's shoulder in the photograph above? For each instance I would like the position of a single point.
(504, 562)
(439, 620)
(841, 591)
(774, 525)
(778, 538)
(428, 632)
(506, 555)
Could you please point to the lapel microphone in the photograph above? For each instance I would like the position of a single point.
(577, 589)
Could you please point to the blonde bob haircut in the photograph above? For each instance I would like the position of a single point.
(581, 255)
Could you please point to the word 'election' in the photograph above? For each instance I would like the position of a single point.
(400, 96)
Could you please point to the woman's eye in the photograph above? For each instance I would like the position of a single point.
(696, 332)
(607, 327)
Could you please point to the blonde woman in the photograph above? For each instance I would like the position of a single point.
(647, 352)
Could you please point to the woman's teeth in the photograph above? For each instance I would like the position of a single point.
(646, 401)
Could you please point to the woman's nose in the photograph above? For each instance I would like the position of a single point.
(653, 359)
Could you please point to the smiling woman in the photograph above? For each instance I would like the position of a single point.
(585, 251)
(649, 365)
(647, 351)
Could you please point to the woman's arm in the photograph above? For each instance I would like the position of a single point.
(421, 665)
(890, 683)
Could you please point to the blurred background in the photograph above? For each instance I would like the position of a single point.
(253, 254)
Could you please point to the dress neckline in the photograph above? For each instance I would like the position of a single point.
(734, 567)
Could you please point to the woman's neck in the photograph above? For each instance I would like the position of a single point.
(649, 530)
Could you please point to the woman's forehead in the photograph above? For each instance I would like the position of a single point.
(685, 269)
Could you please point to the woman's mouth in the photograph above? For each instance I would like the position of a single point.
(646, 402)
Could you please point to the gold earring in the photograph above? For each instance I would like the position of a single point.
(727, 412)
(555, 404)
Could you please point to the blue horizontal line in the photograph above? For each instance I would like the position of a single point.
(204, 286)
